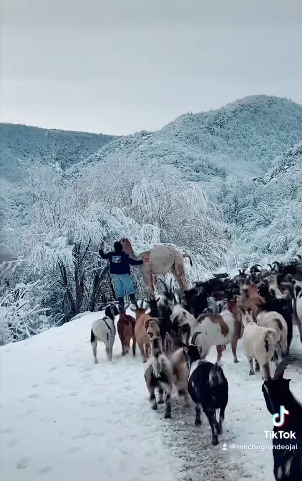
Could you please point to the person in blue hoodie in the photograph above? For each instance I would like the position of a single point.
(120, 272)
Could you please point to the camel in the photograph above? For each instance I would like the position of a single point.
(160, 260)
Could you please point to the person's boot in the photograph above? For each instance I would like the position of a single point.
(133, 301)
(121, 305)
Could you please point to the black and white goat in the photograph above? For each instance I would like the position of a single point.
(276, 392)
(208, 388)
(104, 330)
(159, 375)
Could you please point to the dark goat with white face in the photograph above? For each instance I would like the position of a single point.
(159, 375)
(103, 330)
(208, 388)
(276, 392)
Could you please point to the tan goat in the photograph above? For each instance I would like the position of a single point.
(145, 328)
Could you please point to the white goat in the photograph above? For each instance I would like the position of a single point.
(259, 343)
(209, 330)
(103, 330)
(276, 321)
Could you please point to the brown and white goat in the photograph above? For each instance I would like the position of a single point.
(126, 332)
(250, 299)
(209, 330)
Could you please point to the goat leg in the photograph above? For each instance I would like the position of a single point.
(152, 399)
(219, 350)
(210, 413)
(161, 396)
(168, 406)
(252, 372)
(197, 417)
(133, 346)
(94, 349)
(221, 419)
(234, 348)
(257, 366)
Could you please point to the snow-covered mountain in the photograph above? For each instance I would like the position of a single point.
(244, 206)
(240, 138)
(20, 143)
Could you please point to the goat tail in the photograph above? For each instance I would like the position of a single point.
(216, 376)
(92, 337)
(189, 257)
(269, 339)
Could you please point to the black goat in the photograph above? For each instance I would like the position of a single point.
(276, 392)
(282, 306)
(208, 388)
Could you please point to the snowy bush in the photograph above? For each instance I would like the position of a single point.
(21, 315)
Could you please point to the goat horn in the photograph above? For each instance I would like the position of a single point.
(290, 360)
(164, 284)
(281, 368)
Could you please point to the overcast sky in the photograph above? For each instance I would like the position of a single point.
(119, 66)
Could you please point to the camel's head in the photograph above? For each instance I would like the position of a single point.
(127, 247)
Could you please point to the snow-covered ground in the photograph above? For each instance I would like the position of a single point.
(62, 417)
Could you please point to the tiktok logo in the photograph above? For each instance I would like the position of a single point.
(280, 416)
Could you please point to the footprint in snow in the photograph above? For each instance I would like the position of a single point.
(73, 394)
(46, 469)
(74, 450)
(51, 381)
(5, 430)
(34, 396)
(23, 462)
(54, 368)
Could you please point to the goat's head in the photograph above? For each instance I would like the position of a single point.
(276, 391)
(111, 311)
(153, 305)
(192, 354)
(255, 268)
(195, 299)
(246, 315)
(127, 247)
(141, 309)
(152, 328)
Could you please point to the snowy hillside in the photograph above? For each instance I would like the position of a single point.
(62, 417)
(266, 213)
(20, 143)
(240, 138)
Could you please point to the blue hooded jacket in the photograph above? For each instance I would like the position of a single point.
(119, 261)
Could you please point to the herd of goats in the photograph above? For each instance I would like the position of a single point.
(176, 330)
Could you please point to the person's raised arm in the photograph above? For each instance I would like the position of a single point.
(102, 253)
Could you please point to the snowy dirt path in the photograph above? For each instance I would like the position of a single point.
(62, 416)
